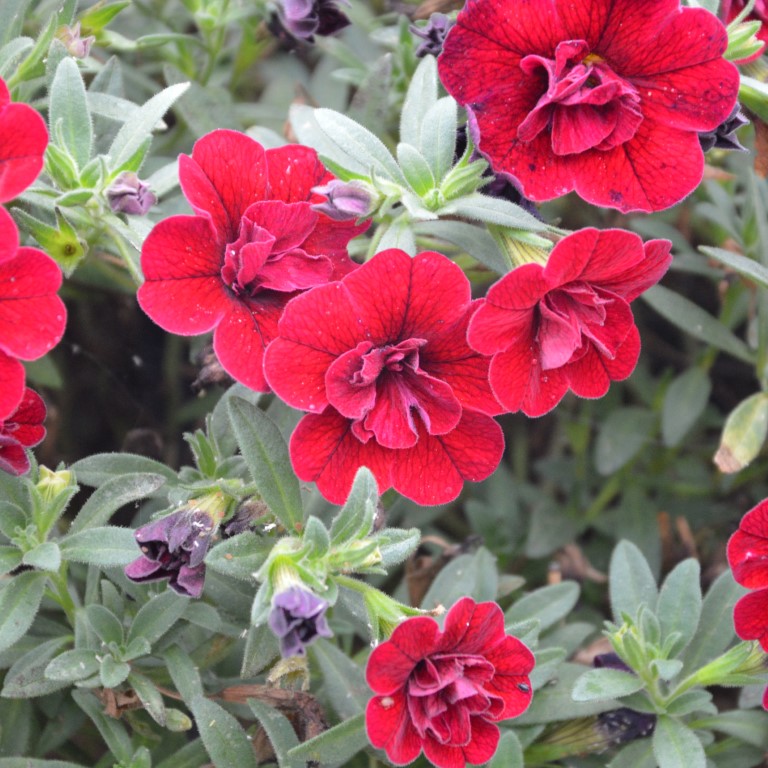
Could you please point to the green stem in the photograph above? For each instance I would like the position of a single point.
(130, 264)
(61, 594)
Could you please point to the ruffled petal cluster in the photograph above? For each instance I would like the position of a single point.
(442, 692)
(380, 361)
(606, 97)
(568, 324)
(21, 429)
(253, 244)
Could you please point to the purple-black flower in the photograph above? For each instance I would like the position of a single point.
(129, 194)
(298, 618)
(433, 34)
(724, 136)
(303, 19)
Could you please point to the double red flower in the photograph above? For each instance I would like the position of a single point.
(606, 97)
(254, 243)
(567, 325)
(21, 429)
(444, 692)
(380, 360)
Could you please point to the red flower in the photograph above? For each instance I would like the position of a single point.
(252, 245)
(444, 691)
(23, 428)
(567, 324)
(32, 316)
(381, 358)
(23, 139)
(602, 96)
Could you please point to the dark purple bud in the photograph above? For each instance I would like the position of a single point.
(79, 47)
(297, 618)
(433, 34)
(129, 194)
(724, 136)
(609, 661)
(303, 19)
(346, 200)
(622, 725)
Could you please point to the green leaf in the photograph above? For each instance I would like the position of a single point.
(68, 112)
(420, 97)
(715, 632)
(97, 17)
(105, 624)
(667, 669)
(355, 519)
(474, 575)
(622, 434)
(98, 469)
(415, 169)
(112, 673)
(631, 581)
(438, 137)
(692, 319)
(239, 556)
(113, 494)
(31, 762)
(135, 132)
(12, 16)
(266, 456)
(677, 746)
(334, 746)
(184, 674)
(44, 557)
(27, 678)
(150, 697)
(603, 684)
(224, 739)
(112, 731)
(12, 53)
(745, 266)
(679, 605)
(398, 234)
(279, 731)
(191, 755)
(492, 210)
(343, 680)
(744, 433)
(684, 401)
(637, 754)
(20, 599)
(10, 558)
(260, 651)
(748, 726)
(107, 546)
(316, 535)
(548, 604)
(509, 753)
(472, 239)
(79, 664)
(157, 616)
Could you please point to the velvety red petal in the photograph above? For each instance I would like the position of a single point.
(183, 291)
(5, 94)
(571, 257)
(9, 236)
(324, 450)
(399, 297)
(243, 334)
(434, 470)
(293, 171)
(480, 749)
(11, 384)
(472, 628)
(13, 457)
(522, 288)
(389, 727)
(25, 424)
(513, 662)
(226, 173)
(495, 329)
(756, 520)
(330, 238)
(748, 548)
(23, 139)
(750, 617)
(519, 383)
(32, 316)
(765, 699)
(633, 281)
(614, 255)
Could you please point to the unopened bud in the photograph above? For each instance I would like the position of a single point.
(347, 200)
(129, 194)
(79, 47)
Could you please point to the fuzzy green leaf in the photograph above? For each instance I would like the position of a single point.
(631, 581)
(20, 599)
(68, 112)
(677, 746)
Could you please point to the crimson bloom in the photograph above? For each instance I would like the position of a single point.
(32, 316)
(23, 139)
(567, 324)
(22, 429)
(444, 692)
(381, 359)
(606, 97)
(254, 243)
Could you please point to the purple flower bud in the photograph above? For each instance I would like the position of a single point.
(297, 618)
(724, 136)
(609, 661)
(433, 35)
(618, 726)
(129, 194)
(303, 19)
(346, 200)
(79, 47)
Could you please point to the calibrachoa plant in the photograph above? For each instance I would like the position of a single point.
(367, 442)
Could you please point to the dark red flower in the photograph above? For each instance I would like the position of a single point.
(32, 316)
(567, 324)
(748, 558)
(23, 139)
(22, 429)
(444, 692)
(382, 361)
(254, 243)
(606, 97)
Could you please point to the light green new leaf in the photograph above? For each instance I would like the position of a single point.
(438, 136)
(421, 96)
(631, 581)
(677, 746)
(68, 112)
(603, 684)
(548, 604)
(744, 433)
(679, 605)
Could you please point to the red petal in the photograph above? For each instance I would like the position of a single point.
(631, 282)
(23, 139)
(522, 288)
(32, 316)
(472, 628)
(495, 329)
(290, 224)
(748, 548)
(513, 662)
(389, 727)
(243, 334)
(13, 457)
(479, 750)
(434, 470)
(750, 617)
(9, 235)
(293, 171)
(11, 383)
(330, 238)
(226, 173)
(324, 450)
(183, 291)
(25, 424)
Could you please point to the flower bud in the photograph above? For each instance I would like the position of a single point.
(346, 200)
(52, 483)
(303, 19)
(297, 619)
(724, 136)
(79, 47)
(433, 34)
(129, 194)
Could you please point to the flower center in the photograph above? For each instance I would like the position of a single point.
(445, 691)
(586, 105)
(244, 258)
(380, 389)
